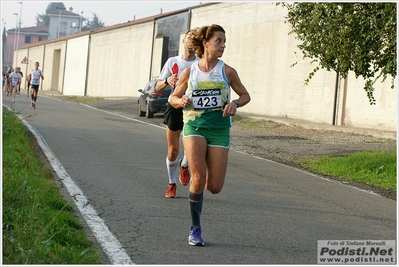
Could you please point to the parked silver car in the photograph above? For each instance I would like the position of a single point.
(152, 101)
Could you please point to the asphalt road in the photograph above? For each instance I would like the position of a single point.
(267, 213)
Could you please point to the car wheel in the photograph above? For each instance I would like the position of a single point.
(148, 113)
(141, 113)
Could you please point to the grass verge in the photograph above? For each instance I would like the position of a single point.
(248, 123)
(82, 99)
(39, 225)
(376, 168)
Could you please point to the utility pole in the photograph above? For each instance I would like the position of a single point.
(19, 29)
(80, 25)
(59, 21)
(16, 28)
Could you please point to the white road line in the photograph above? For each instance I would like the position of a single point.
(119, 115)
(110, 244)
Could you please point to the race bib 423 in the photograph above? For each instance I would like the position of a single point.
(207, 99)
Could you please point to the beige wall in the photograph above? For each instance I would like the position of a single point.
(120, 61)
(76, 66)
(53, 66)
(157, 57)
(360, 113)
(35, 54)
(260, 49)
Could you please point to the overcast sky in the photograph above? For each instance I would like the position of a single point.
(109, 12)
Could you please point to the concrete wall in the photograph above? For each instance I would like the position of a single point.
(157, 57)
(54, 66)
(120, 61)
(172, 26)
(359, 113)
(76, 65)
(260, 49)
(122, 58)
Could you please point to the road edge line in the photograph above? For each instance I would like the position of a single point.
(110, 244)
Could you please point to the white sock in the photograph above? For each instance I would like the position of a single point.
(171, 166)
(184, 161)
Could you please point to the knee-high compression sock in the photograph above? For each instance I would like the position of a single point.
(31, 96)
(171, 166)
(184, 161)
(195, 201)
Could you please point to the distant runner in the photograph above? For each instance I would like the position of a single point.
(34, 78)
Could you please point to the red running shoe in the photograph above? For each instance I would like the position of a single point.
(171, 192)
(184, 175)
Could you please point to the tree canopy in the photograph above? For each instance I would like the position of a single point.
(95, 22)
(358, 37)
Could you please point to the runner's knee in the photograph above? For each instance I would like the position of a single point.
(173, 152)
(214, 189)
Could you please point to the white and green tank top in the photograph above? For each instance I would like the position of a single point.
(209, 92)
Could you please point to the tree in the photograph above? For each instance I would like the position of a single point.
(95, 22)
(358, 37)
(44, 19)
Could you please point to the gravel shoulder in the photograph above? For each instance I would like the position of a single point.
(287, 144)
(284, 143)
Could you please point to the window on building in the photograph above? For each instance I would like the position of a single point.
(40, 38)
(62, 29)
(27, 39)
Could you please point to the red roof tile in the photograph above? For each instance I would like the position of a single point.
(37, 29)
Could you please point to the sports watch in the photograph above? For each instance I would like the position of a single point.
(238, 102)
(166, 81)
